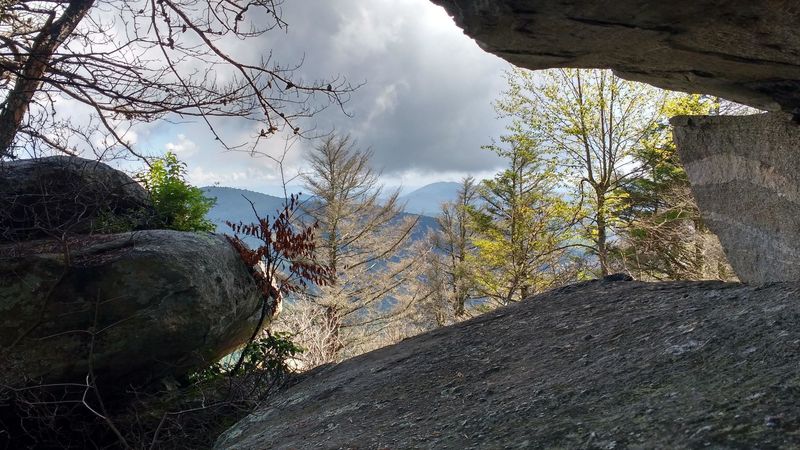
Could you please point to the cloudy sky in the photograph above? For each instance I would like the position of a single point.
(425, 108)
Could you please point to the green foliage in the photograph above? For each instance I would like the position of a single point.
(523, 226)
(269, 354)
(108, 222)
(606, 145)
(179, 205)
(662, 171)
(664, 234)
(590, 123)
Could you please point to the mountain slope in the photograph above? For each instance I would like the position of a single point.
(233, 205)
(593, 365)
(428, 199)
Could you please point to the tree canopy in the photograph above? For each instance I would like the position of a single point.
(591, 123)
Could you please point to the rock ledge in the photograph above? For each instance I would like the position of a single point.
(594, 365)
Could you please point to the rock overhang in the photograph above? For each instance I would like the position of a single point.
(744, 51)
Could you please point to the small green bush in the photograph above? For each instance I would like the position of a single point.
(268, 355)
(178, 205)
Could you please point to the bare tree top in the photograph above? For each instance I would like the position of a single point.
(131, 61)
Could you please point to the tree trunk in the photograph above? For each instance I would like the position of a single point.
(699, 249)
(460, 299)
(51, 36)
(602, 237)
(334, 323)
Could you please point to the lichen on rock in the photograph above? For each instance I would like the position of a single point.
(593, 365)
(142, 306)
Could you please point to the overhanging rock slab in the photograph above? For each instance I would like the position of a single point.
(746, 51)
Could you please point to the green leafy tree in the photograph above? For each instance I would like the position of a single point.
(591, 122)
(523, 227)
(178, 205)
(664, 236)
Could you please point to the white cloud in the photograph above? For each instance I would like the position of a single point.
(425, 110)
(247, 177)
(184, 148)
(411, 179)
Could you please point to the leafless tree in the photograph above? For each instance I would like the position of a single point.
(450, 271)
(365, 240)
(126, 62)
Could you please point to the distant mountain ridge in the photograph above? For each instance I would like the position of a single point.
(428, 199)
(232, 205)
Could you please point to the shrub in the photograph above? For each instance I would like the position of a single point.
(282, 263)
(269, 355)
(178, 205)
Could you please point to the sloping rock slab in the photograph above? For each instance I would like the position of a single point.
(139, 306)
(58, 195)
(745, 174)
(746, 51)
(596, 365)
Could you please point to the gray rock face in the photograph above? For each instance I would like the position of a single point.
(60, 195)
(141, 305)
(745, 175)
(595, 365)
(746, 51)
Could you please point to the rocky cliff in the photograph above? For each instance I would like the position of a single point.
(745, 176)
(597, 365)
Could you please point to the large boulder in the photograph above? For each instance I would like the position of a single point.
(136, 307)
(745, 174)
(747, 51)
(64, 195)
(598, 365)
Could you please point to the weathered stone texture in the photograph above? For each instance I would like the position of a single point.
(598, 365)
(141, 305)
(746, 51)
(745, 174)
(64, 195)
